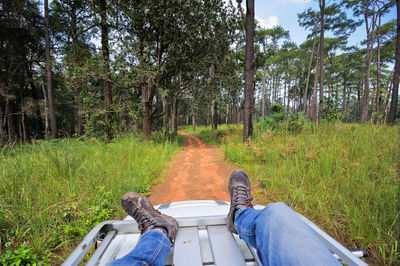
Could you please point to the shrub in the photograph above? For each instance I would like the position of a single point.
(296, 123)
(23, 255)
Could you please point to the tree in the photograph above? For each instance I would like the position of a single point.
(396, 73)
(249, 72)
(73, 25)
(106, 64)
(321, 55)
(367, 9)
(50, 96)
(268, 38)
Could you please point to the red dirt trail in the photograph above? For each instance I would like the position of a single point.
(198, 172)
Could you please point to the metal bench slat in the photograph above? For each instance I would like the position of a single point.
(224, 247)
(205, 248)
(187, 247)
(99, 251)
(112, 249)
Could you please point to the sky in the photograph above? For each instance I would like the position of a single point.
(284, 13)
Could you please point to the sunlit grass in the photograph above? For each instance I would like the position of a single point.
(50, 189)
(344, 177)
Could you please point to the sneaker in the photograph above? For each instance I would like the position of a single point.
(141, 209)
(239, 189)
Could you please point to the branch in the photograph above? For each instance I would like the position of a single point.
(153, 116)
(83, 31)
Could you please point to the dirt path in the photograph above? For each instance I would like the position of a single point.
(198, 172)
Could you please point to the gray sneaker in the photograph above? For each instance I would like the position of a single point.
(141, 209)
(239, 189)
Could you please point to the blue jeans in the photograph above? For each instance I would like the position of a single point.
(277, 232)
(281, 237)
(152, 249)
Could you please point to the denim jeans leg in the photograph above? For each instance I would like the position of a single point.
(152, 249)
(281, 237)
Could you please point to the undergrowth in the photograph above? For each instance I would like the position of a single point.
(344, 177)
(53, 193)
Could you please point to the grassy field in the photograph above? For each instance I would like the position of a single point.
(53, 192)
(344, 177)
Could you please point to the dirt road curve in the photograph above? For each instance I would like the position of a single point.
(196, 173)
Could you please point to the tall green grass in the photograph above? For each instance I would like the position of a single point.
(53, 192)
(344, 177)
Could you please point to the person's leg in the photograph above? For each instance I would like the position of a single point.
(277, 232)
(281, 237)
(158, 232)
(152, 249)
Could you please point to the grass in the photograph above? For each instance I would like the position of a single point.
(344, 177)
(53, 193)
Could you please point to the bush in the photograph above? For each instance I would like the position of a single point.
(331, 110)
(377, 117)
(23, 255)
(296, 123)
(277, 108)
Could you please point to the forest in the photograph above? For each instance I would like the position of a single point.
(93, 93)
(100, 68)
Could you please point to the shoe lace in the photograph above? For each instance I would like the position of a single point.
(242, 196)
(143, 220)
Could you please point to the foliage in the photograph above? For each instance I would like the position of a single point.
(79, 222)
(331, 111)
(296, 122)
(23, 255)
(357, 164)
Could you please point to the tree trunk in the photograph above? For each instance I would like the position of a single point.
(249, 72)
(1, 127)
(263, 90)
(387, 104)
(148, 91)
(359, 98)
(165, 110)
(10, 123)
(208, 116)
(313, 111)
(370, 46)
(193, 115)
(46, 114)
(395, 90)
(294, 95)
(237, 99)
(284, 93)
(48, 72)
(227, 114)
(214, 116)
(24, 133)
(321, 59)
(344, 108)
(106, 71)
(308, 77)
(147, 120)
(80, 109)
(378, 68)
(268, 95)
(175, 115)
(77, 87)
(288, 94)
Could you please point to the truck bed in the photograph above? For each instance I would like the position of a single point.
(202, 238)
